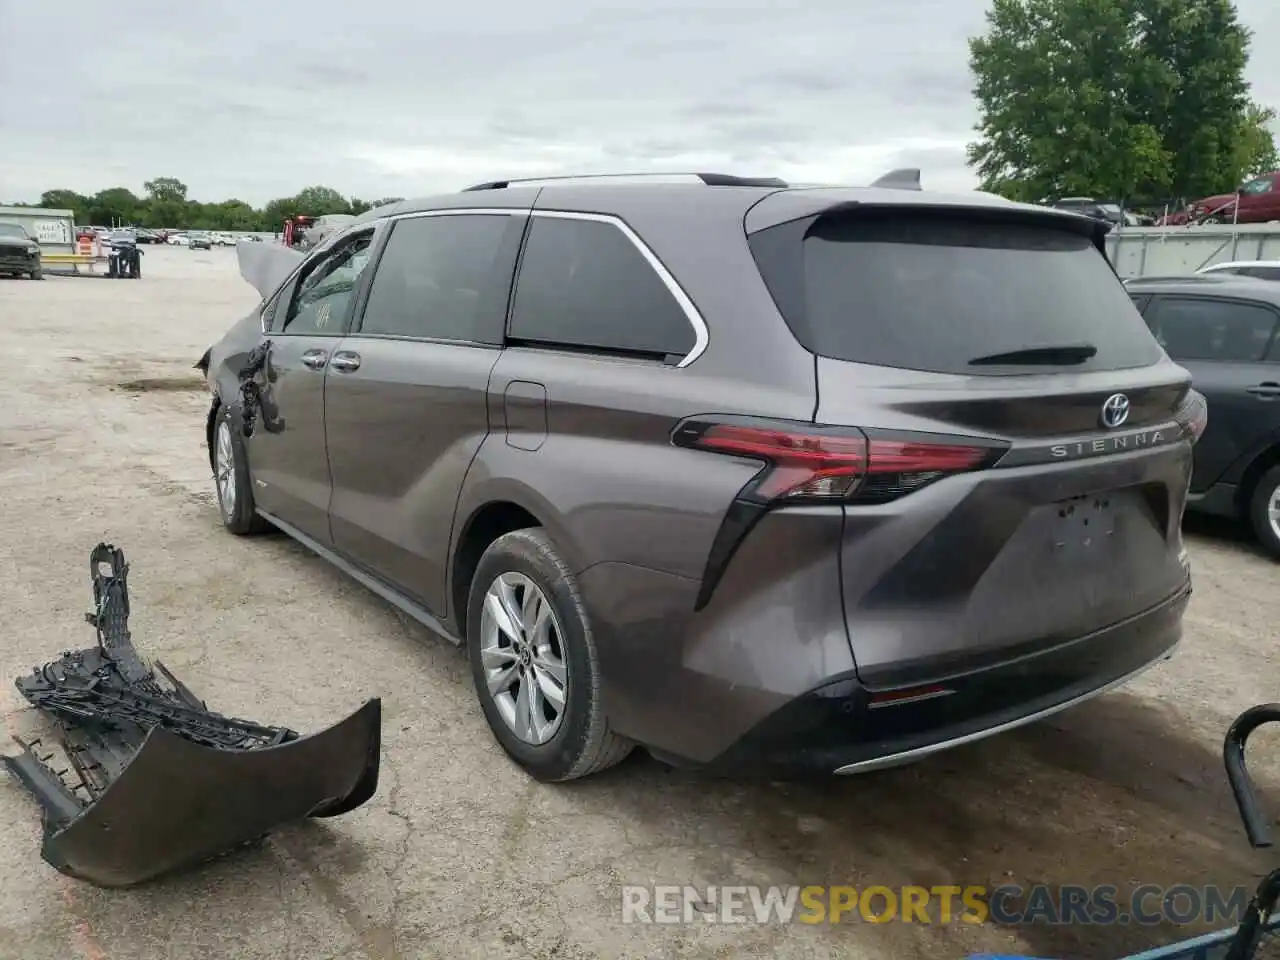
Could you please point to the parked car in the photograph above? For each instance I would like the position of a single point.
(19, 252)
(1262, 269)
(145, 235)
(1223, 329)
(1259, 202)
(199, 240)
(759, 478)
(1109, 213)
(176, 239)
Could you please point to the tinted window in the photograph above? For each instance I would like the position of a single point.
(323, 296)
(583, 283)
(931, 292)
(1196, 328)
(436, 278)
(1262, 273)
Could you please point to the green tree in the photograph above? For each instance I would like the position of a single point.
(166, 188)
(1113, 98)
(318, 201)
(65, 200)
(114, 205)
(1256, 145)
(165, 214)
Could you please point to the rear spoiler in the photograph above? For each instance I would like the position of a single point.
(799, 209)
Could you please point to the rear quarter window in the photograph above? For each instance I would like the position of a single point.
(932, 292)
(585, 285)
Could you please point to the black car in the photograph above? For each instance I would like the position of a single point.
(19, 252)
(1224, 329)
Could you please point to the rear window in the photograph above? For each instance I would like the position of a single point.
(936, 293)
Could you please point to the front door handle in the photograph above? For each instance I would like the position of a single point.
(344, 361)
(315, 359)
(1268, 389)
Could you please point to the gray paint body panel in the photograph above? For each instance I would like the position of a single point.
(859, 598)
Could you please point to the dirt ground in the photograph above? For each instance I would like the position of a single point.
(459, 854)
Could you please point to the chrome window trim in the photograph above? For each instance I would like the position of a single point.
(701, 334)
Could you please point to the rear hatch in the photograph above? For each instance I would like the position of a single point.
(1028, 442)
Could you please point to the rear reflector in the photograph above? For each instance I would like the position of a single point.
(894, 698)
(806, 462)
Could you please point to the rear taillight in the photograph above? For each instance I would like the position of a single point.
(805, 463)
(808, 463)
(1193, 415)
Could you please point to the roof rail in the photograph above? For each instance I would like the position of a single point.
(710, 179)
(907, 178)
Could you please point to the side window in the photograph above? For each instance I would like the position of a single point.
(269, 319)
(437, 279)
(585, 284)
(1140, 301)
(1262, 272)
(1197, 328)
(323, 296)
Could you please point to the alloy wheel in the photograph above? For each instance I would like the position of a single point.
(225, 470)
(1273, 512)
(523, 658)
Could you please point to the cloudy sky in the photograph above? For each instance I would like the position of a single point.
(257, 99)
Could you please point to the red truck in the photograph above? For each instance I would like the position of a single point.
(1259, 201)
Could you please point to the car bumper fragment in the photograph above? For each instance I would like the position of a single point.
(154, 781)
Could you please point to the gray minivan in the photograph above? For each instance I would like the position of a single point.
(761, 478)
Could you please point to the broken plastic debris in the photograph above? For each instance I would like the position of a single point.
(153, 780)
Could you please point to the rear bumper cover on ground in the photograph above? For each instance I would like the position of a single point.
(836, 728)
(154, 780)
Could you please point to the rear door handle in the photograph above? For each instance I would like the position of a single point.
(345, 361)
(315, 359)
(1268, 389)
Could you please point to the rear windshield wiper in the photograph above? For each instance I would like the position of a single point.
(1064, 355)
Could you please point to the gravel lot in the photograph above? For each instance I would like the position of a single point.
(459, 854)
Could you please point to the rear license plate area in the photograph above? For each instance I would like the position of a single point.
(1085, 526)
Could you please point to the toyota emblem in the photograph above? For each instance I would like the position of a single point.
(1115, 411)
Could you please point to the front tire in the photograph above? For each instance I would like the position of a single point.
(534, 661)
(1264, 511)
(231, 480)
(37, 273)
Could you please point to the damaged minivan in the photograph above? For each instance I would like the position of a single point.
(764, 479)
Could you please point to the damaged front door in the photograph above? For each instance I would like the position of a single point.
(287, 452)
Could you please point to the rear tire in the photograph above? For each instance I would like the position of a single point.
(231, 481)
(1264, 511)
(556, 652)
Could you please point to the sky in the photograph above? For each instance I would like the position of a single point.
(255, 100)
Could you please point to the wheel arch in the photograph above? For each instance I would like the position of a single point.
(491, 508)
(211, 422)
(1263, 461)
